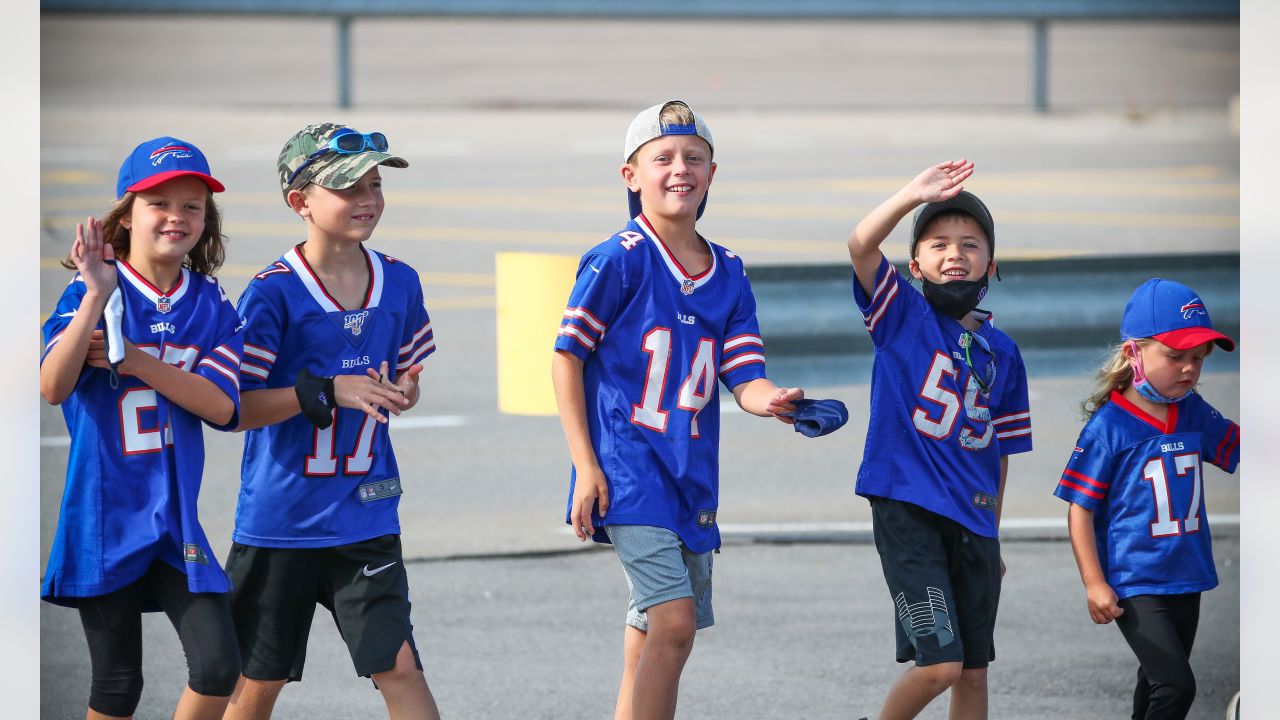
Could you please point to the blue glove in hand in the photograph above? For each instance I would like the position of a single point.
(815, 418)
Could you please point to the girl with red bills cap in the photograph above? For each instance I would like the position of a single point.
(1137, 517)
(142, 348)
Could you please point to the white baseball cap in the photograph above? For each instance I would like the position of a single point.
(647, 126)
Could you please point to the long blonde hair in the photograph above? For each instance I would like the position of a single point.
(1114, 374)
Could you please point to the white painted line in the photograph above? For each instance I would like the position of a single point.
(55, 441)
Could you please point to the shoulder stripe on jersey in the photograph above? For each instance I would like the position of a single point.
(673, 266)
(424, 330)
(259, 352)
(584, 314)
(248, 368)
(151, 292)
(883, 296)
(1016, 432)
(576, 334)
(737, 340)
(422, 352)
(1085, 478)
(1081, 489)
(1228, 445)
(740, 360)
(226, 353)
(209, 362)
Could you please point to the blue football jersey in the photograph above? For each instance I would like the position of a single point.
(1143, 480)
(302, 486)
(136, 459)
(654, 339)
(935, 437)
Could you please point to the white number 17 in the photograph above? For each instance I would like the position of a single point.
(1154, 472)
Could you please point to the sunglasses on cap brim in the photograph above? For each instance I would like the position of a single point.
(345, 142)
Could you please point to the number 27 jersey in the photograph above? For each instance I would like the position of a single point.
(654, 340)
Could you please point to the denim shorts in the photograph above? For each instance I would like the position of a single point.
(659, 568)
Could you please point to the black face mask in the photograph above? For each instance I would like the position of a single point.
(956, 298)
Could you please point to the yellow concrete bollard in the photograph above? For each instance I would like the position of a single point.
(531, 292)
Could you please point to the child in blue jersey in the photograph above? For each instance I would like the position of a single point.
(658, 314)
(334, 339)
(142, 348)
(948, 405)
(1136, 488)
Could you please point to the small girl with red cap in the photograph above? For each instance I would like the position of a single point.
(142, 348)
(1135, 483)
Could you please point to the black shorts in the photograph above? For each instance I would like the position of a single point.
(944, 581)
(364, 585)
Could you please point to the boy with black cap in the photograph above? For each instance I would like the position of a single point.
(948, 405)
(335, 335)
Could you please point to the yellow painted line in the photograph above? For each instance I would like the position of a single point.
(429, 278)
(73, 177)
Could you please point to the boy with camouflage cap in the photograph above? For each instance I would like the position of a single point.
(335, 335)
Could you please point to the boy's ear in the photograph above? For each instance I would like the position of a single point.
(298, 202)
(991, 268)
(914, 267)
(629, 176)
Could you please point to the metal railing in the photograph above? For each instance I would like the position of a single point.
(1038, 13)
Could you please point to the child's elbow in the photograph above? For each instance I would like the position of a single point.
(52, 392)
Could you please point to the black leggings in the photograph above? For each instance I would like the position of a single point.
(1161, 629)
(113, 626)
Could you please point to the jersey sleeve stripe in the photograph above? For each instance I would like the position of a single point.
(1081, 476)
(416, 337)
(578, 335)
(413, 348)
(226, 353)
(259, 352)
(880, 307)
(733, 342)
(248, 368)
(584, 314)
(53, 341)
(1081, 489)
(422, 352)
(1228, 445)
(1002, 419)
(741, 360)
(1016, 432)
(210, 363)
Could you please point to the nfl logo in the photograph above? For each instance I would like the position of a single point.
(191, 552)
(354, 322)
(164, 304)
(687, 287)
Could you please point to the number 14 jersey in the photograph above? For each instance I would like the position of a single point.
(654, 339)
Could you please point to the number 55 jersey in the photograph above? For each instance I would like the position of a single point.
(654, 339)
(303, 487)
(1142, 479)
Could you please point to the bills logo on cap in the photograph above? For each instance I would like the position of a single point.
(174, 151)
(1195, 307)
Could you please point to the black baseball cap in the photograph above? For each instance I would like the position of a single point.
(965, 202)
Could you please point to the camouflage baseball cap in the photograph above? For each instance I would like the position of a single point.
(331, 170)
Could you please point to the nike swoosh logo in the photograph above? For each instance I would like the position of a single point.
(593, 267)
(370, 573)
(67, 314)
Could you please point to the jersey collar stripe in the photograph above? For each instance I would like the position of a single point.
(373, 295)
(1165, 427)
(673, 266)
(303, 272)
(150, 291)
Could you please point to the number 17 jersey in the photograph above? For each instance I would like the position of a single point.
(302, 486)
(653, 340)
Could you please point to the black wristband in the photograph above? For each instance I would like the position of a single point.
(316, 398)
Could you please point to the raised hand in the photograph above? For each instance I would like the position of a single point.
(942, 181)
(94, 258)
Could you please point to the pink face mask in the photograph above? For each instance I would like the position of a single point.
(1140, 382)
